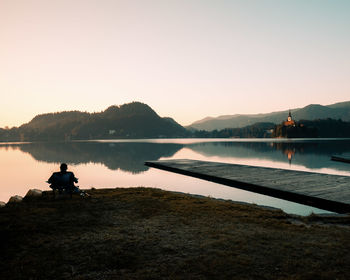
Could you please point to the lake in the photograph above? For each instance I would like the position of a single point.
(120, 163)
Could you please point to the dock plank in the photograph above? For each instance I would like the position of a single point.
(325, 191)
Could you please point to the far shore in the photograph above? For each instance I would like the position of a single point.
(145, 233)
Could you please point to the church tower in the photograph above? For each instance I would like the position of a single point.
(290, 121)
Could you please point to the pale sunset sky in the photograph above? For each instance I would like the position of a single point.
(187, 59)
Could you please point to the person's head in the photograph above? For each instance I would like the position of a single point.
(63, 167)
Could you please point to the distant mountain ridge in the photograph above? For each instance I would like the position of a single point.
(339, 110)
(138, 120)
(132, 120)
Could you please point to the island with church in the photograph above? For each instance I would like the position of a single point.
(293, 129)
(318, 128)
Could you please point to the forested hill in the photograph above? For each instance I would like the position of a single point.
(310, 112)
(132, 120)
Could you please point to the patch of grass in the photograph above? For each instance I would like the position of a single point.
(144, 233)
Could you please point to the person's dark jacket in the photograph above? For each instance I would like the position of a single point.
(62, 180)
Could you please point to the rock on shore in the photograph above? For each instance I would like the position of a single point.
(34, 193)
(15, 199)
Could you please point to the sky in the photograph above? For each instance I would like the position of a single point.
(187, 59)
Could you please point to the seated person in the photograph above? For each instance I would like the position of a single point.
(64, 181)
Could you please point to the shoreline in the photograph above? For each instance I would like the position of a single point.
(38, 193)
(178, 139)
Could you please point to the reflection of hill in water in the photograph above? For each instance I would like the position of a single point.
(310, 154)
(130, 156)
(125, 156)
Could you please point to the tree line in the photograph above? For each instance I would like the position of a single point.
(137, 120)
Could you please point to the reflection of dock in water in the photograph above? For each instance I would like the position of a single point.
(329, 192)
(341, 159)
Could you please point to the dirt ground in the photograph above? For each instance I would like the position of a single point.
(143, 233)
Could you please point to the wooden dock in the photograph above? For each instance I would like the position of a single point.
(324, 191)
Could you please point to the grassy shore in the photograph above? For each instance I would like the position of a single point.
(143, 233)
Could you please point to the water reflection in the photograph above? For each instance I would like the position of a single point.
(108, 164)
(312, 155)
(128, 157)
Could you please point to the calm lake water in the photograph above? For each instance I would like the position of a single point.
(120, 163)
